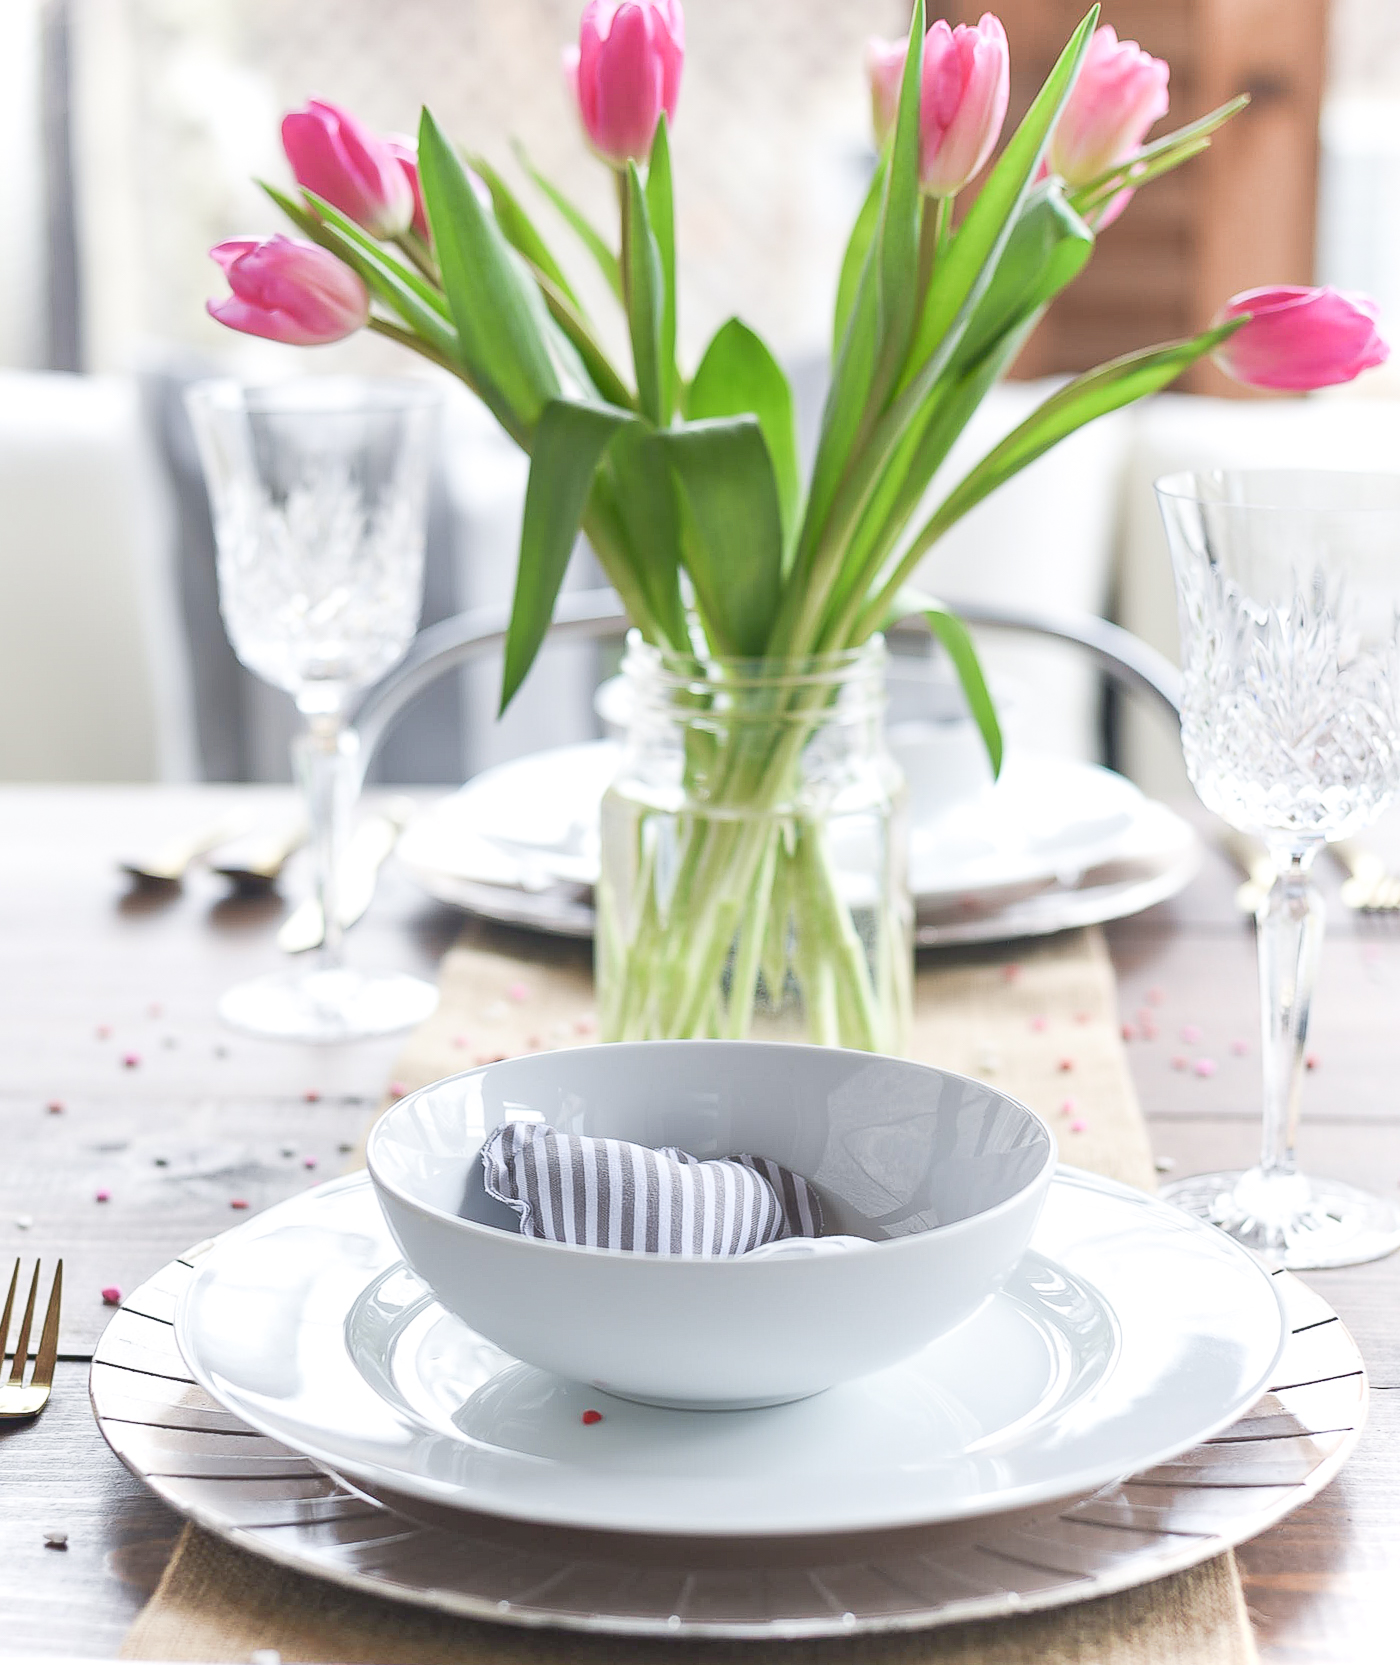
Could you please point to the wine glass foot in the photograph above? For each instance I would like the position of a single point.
(1292, 1220)
(319, 1005)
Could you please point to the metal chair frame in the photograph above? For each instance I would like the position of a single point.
(597, 614)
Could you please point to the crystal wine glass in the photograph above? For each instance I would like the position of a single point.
(319, 494)
(1288, 586)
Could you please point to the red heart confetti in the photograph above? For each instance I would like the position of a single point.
(590, 1417)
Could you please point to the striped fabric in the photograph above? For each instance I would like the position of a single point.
(605, 1193)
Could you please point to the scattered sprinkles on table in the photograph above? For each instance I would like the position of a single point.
(112, 1296)
(1311, 1061)
(1039, 1023)
(590, 1417)
(1190, 1033)
(1239, 1048)
(104, 1195)
(1078, 1125)
(54, 1107)
(518, 991)
(238, 1202)
(1205, 1067)
(130, 1060)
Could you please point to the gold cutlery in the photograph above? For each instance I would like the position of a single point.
(368, 847)
(169, 861)
(255, 861)
(17, 1399)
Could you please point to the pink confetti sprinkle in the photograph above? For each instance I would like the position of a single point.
(1128, 1032)
(1155, 996)
(1239, 1048)
(104, 1031)
(1065, 1065)
(311, 1095)
(308, 1162)
(1078, 1125)
(154, 1009)
(238, 1202)
(1205, 1067)
(1081, 1017)
(1149, 1031)
(1069, 1107)
(584, 1026)
(1311, 1061)
(1190, 1033)
(590, 1417)
(459, 1040)
(534, 1042)
(103, 1195)
(54, 1107)
(517, 991)
(130, 1060)
(1039, 1023)
(1011, 972)
(1178, 1062)
(483, 1058)
(397, 1089)
(112, 1296)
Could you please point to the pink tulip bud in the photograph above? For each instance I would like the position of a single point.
(962, 101)
(1298, 338)
(1121, 90)
(625, 70)
(289, 291)
(356, 171)
(405, 153)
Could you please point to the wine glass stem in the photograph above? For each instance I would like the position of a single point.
(327, 764)
(1289, 929)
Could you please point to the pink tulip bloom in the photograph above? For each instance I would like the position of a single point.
(625, 70)
(962, 102)
(405, 153)
(289, 291)
(1120, 92)
(356, 171)
(1298, 338)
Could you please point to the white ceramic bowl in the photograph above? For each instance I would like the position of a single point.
(947, 1175)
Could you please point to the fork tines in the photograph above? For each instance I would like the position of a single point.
(17, 1398)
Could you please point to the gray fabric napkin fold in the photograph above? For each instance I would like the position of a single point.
(611, 1194)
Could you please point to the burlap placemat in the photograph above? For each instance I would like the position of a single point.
(1045, 1028)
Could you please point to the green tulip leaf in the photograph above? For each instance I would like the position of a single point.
(578, 222)
(957, 643)
(569, 443)
(857, 252)
(739, 375)
(645, 302)
(1106, 388)
(500, 314)
(661, 212)
(731, 529)
(648, 516)
(521, 232)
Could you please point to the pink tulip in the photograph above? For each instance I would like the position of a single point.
(962, 102)
(356, 171)
(405, 153)
(289, 291)
(625, 70)
(1298, 338)
(1120, 92)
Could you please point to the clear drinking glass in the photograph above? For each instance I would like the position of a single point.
(1288, 586)
(319, 494)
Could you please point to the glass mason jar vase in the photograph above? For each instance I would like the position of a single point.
(754, 855)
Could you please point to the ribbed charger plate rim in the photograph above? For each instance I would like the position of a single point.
(1039, 1564)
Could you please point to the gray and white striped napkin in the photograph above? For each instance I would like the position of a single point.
(610, 1194)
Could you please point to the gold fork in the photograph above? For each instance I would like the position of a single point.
(15, 1398)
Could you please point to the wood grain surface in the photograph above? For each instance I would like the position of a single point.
(206, 1118)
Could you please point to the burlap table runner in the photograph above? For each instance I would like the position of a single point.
(1044, 1027)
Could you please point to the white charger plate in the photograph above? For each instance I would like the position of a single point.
(1130, 1333)
(1054, 843)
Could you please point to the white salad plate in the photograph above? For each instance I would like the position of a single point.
(1053, 843)
(1130, 1333)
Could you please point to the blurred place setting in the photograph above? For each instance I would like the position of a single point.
(699, 774)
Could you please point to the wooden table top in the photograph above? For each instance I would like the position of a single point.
(95, 975)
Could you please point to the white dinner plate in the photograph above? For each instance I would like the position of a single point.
(1130, 1333)
(519, 843)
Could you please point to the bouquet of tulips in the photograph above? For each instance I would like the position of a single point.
(687, 482)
